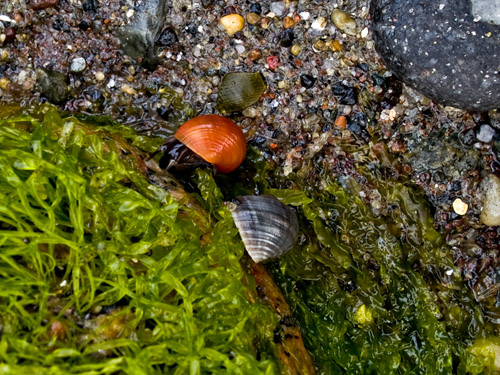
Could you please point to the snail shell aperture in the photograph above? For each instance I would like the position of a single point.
(268, 228)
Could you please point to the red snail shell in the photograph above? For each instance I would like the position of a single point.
(216, 139)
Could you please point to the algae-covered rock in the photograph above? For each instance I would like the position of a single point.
(490, 187)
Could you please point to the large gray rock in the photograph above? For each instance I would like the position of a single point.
(442, 49)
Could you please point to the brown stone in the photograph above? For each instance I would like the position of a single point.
(254, 54)
(43, 4)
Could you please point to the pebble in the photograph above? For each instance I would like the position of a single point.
(232, 23)
(490, 187)
(460, 207)
(273, 62)
(288, 22)
(486, 133)
(344, 22)
(99, 76)
(295, 50)
(254, 54)
(253, 18)
(77, 65)
(10, 34)
(307, 81)
(278, 8)
(319, 24)
(43, 4)
(341, 122)
(128, 90)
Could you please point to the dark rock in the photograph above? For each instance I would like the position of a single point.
(90, 6)
(53, 85)
(10, 34)
(255, 8)
(307, 81)
(348, 95)
(438, 48)
(286, 38)
(167, 37)
(138, 38)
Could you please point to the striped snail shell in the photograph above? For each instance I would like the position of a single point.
(268, 227)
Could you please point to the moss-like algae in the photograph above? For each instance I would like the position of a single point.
(102, 271)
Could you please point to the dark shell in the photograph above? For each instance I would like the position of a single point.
(267, 227)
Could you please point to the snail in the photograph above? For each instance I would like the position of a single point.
(206, 139)
(268, 227)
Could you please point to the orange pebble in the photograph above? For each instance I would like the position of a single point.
(341, 122)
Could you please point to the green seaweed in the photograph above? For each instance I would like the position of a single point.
(102, 272)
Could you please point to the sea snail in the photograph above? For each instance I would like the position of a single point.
(268, 227)
(215, 139)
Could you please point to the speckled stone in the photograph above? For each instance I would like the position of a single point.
(438, 48)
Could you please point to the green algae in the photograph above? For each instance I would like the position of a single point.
(102, 271)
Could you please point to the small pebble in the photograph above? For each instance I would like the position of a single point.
(273, 62)
(10, 34)
(99, 76)
(254, 54)
(307, 81)
(341, 122)
(344, 22)
(128, 90)
(232, 23)
(43, 4)
(460, 207)
(253, 18)
(490, 187)
(295, 50)
(167, 37)
(288, 22)
(319, 24)
(278, 8)
(77, 65)
(486, 133)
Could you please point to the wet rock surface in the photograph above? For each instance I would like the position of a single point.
(439, 48)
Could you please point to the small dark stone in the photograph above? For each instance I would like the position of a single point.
(84, 25)
(276, 133)
(192, 29)
(167, 37)
(90, 6)
(354, 127)
(307, 81)
(259, 140)
(440, 49)
(10, 34)
(60, 25)
(348, 95)
(256, 8)
(378, 80)
(286, 38)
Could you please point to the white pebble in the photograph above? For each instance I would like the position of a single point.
(460, 207)
(319, 24)
(486, 133)
(364, 32)
(305, 15)
(490, 188)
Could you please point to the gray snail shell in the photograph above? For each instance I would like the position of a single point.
(268, 227)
